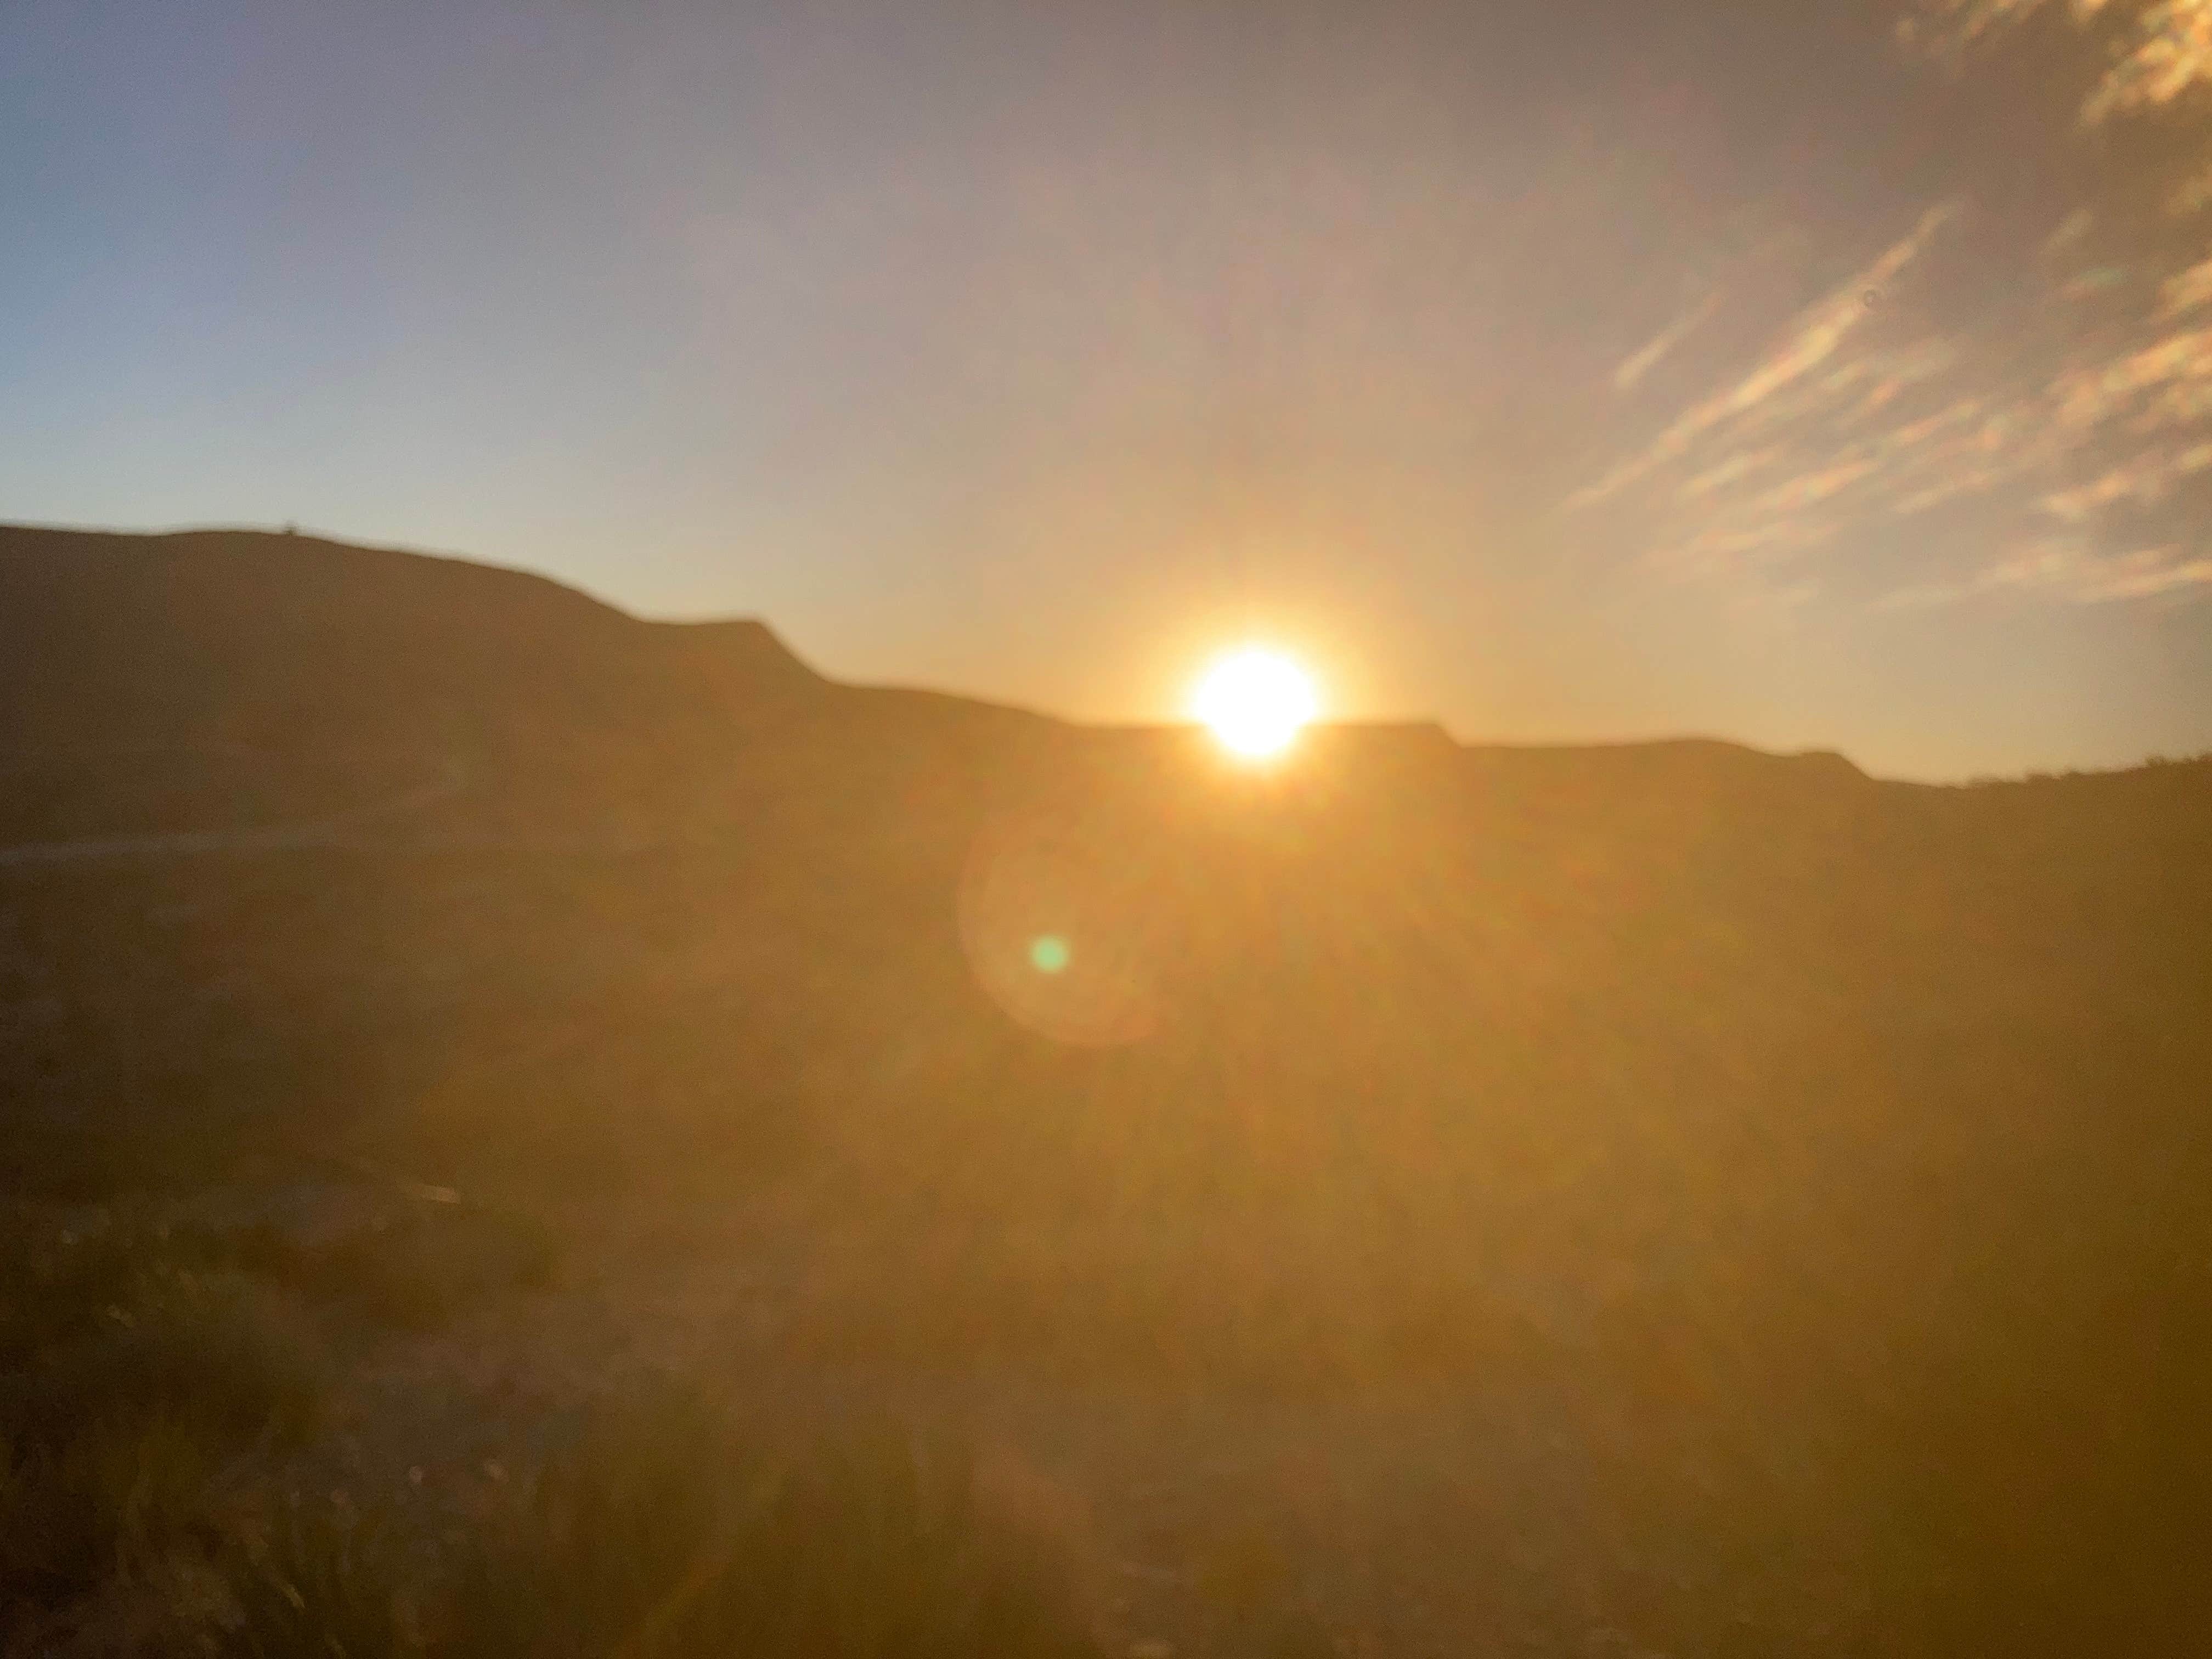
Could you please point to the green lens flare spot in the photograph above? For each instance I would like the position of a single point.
(1049, 953)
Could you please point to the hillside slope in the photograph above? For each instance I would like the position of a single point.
(1853, 1135)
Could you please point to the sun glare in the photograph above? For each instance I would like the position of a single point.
(1255, 702)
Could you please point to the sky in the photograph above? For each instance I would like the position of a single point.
(1830, 375)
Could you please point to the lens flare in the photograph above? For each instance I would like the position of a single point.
(1255, 702)
(1060, 922)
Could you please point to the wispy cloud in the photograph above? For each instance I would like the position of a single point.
(2091, 396)
(2171, 53)
(2078, 400)
(2145, 481)
(1954, 26)
(1728, 546)
(2071, 230)
(2068, 572)
(2186, 291)
(1811, 341)
(1811, 488)
(1734, 470)
(2192, 195)
(1626, 378)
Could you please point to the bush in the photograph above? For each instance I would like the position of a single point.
(57, 1281)
(321, 1579)
(658, 1536)
(393, 1279)
(143, 1389)
(662, 1534)
(212, 1351)
(414, 1270)
(113, 1499)
(131, 1382)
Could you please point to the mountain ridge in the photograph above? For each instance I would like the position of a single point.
(51, 576)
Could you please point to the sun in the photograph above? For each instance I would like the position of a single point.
(1255, 702)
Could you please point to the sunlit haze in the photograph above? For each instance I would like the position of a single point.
(1577, 371)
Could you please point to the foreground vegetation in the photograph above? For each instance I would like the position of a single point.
(159, 1386)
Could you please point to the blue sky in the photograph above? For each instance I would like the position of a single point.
(1561, 370)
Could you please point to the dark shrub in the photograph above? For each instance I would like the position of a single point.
(658, 1536)
(212, 1351)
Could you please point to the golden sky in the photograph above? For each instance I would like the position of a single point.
(1831, 374)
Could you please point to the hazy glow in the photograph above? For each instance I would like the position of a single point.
(1049, 953)
(1108, 337)
(1255, 702)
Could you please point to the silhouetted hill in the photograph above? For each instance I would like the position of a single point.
(221, 679)
(1851, 1136)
